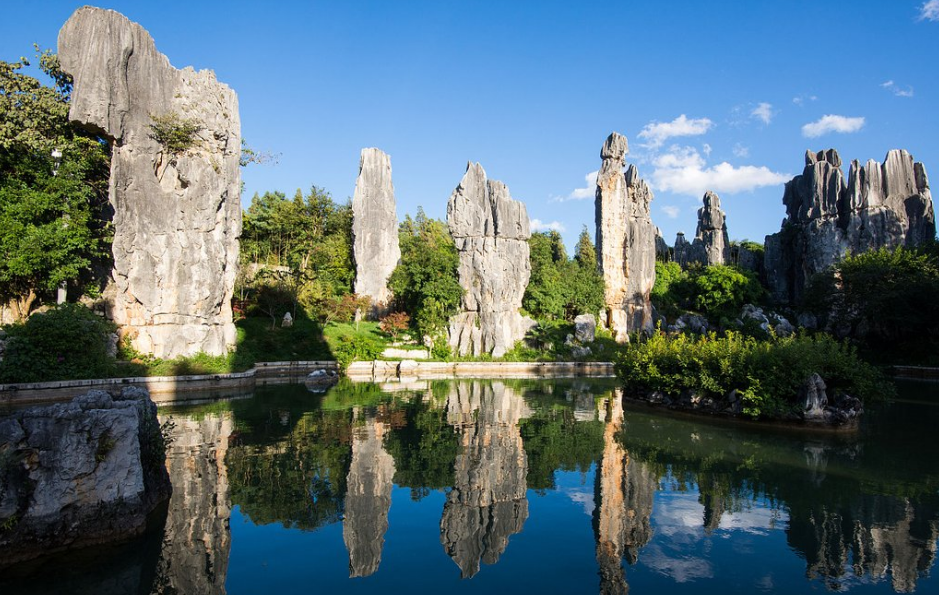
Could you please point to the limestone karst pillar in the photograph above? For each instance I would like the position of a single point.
(711, 243)
(374, 229)
(491, 233)
(177, 210)
(625, 241)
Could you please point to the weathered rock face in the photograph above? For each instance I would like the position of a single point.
(80, 473)
(374, 229)
(624, 492)
(882, 205)
(585, 328)
(197, 538)
(711, 243)
(177, 216)
(661, 246)
(491, 233)
(368, 498)
(488, 503)
(625, 241)
(683, 253)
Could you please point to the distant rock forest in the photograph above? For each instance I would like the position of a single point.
(120, 194)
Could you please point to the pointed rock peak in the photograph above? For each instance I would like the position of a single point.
(615, 147)
(830, 155)
(711, 200)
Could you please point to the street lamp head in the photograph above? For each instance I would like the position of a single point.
(57, 155)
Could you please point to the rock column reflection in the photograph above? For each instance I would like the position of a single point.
(487, 503)
(197, 539)
(624, 492)
(368, 498)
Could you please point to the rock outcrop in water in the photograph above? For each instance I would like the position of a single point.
(882, 205)
(374, 229)
(488, 501)
(624, 492)
(491, 233)
(368, 498)
(80, 473)
(711, 243)
(177, 210)
(625, 241)
(197, 538)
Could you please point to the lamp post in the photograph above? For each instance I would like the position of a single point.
(57, 159)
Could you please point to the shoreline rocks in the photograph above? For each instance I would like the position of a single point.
(81, 473)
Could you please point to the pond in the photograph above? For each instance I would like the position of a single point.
(545, 486)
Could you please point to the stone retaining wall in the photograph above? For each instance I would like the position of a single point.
(406, 370)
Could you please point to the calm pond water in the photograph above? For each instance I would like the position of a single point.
(524, 486)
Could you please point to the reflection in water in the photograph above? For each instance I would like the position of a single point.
(196, 539)
(487, 503)
(624, 492)
(368, 497)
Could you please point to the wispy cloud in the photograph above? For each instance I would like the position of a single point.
(740, 150)
(896, 89)
(801, 99)
(763, 112)
(539, 225)
(832, 123)
(588, 191)
(656, 133)
(929, 11)
(671, 211)
(683, 170)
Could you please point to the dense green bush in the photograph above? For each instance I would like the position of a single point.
(767, 374)
(717, 291)
(887, 300)
(69, 341)
(560, 288)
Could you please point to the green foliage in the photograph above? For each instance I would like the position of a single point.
(560, 289)
(53, 213)
(767, 374)
(176, 133)
(887, 300)
(67, 342)
(670, 289)
(362, 341)
(720, 291)
(425, 283)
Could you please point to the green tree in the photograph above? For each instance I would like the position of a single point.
(53, 189)
(560, 289)
(425, 282)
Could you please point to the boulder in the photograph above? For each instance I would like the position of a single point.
(585, 328)
(491, 234)
(625, 241)
(881, 205)
(374, 229)
(177, 209)
(80, 473)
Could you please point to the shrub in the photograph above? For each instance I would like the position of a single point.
(394, 323)
(350, 348)
(720, 291)
(767, 374)
(175, 133)
(69, 341)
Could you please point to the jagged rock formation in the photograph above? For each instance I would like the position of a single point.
(683, 253)
(711, 243)
(624, 493)
(368, 498)
(488, 503)
(491, 233)
(177, 213)
(196, 538)
(882, 205)
(80, 473)
(662, 251)
(625, 241)
(374, 229)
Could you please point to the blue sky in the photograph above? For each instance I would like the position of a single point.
(712, 95)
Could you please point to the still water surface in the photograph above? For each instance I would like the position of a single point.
(525, 486)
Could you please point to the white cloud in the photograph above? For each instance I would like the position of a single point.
(930, 11)
(658, 132)
(740, 150)
(896, 89)
(671, 211)
(538, 225)
(682, 170)
(832, 123)
(707, 150)
(800, 99)
(763, 112)
(588, 191)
